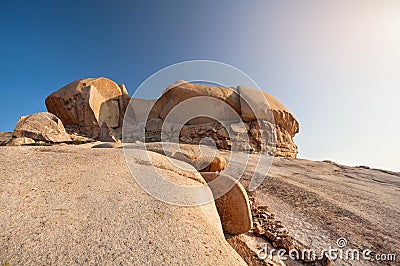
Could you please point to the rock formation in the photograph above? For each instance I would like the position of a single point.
(20, 141)
(286, 125)
(239, 118)
(90, 105)
(44, 127)
(267, 126)
(231, 199)
(233, 206)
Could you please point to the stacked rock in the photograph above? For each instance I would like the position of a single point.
(265, 225)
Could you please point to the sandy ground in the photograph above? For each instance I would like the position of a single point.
(69, 205)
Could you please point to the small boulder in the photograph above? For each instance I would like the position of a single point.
(233, 206)
(41, 127)
(218, 164)
(20, 141)
(258, 230)
(5, 137)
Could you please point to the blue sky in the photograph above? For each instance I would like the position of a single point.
(334, 64)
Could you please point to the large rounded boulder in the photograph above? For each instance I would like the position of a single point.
(251, 119)
(87, 105)
(176, 94)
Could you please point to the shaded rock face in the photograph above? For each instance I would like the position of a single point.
(175, 95)
(267, 108)
(44, 127)
(85, 105)
(267, 127)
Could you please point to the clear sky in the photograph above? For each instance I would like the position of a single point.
(334, 64)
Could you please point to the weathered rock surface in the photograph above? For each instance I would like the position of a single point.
(20, 141)
(62, 214)
(5, 137)
(186, 112)
(179, 167)
(309, 202)
(217, 164)
(201, 157)
(189, 113)
(91, 211)
(320, 202)
(44, 127)
(143, 110)
(233, 206)
(109, 134)
(175, 95)
(84, 105)
(265, 106)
